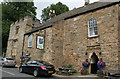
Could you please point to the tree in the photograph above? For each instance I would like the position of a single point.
(11, 12)
(17, 10)
(59, 8)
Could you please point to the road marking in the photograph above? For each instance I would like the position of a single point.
(7, 72)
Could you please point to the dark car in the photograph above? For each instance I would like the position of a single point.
(37, 68)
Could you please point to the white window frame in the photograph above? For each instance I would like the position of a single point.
(93, 35)
(30, 38)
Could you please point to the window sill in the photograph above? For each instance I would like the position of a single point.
(94, 36)
(29, 47)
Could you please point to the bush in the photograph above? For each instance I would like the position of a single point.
(69, 66)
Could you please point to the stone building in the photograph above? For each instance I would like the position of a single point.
(88, 32)
(16, 36)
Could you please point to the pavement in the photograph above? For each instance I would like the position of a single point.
(13, 73)
(90, 76)
(77, 75)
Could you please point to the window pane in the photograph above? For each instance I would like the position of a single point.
(44, 63)
(30, 41)
(34, 62)
(95, 31)
(93, 27)
(90, 24)
(28, 62)
(91, 31)
(15, 44)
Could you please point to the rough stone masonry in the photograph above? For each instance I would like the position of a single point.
(66, 39)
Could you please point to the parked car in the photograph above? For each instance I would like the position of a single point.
(7, 62)
(37, 68)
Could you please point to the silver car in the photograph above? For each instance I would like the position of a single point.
(7, 62)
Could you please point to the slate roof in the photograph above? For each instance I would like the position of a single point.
(73, 13)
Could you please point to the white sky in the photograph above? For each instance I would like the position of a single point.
(41, 4)
(70, 3)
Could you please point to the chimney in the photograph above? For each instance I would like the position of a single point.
(86, 2)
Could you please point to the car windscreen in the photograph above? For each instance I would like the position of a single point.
(9, 58)
(44, 63)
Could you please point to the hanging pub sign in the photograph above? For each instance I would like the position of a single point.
(40, 42)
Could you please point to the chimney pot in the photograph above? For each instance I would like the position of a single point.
(86, 2)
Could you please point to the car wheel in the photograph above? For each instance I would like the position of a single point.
(20, 69)
(35, 73)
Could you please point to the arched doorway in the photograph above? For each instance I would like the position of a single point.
(93, 62)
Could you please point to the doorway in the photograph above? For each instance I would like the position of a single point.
(93, 63)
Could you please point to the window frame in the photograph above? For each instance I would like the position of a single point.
(15, 44)
(30, 39)
(17, 29)
(93, 27)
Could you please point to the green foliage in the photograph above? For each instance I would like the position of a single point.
(69, 66)
(17, 10)
(59, 8)
(11, 12)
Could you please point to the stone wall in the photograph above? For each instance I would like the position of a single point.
(119, 36)
(33, 51)
(58, 41)
(77, 42)
(15, 40)
(12, 51)
(67, 41)
(53, 45)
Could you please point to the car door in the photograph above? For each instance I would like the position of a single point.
(33, 66)
(26, 66)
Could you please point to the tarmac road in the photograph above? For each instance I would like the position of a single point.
(13, 73)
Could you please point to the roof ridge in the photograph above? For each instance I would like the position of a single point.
(73, 13)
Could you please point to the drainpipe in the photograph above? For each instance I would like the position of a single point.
(23, 44)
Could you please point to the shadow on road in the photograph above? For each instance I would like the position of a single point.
(9, 67)
(50, 78)
(39, 77)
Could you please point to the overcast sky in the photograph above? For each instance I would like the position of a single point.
(70, 3)
(41, 4)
